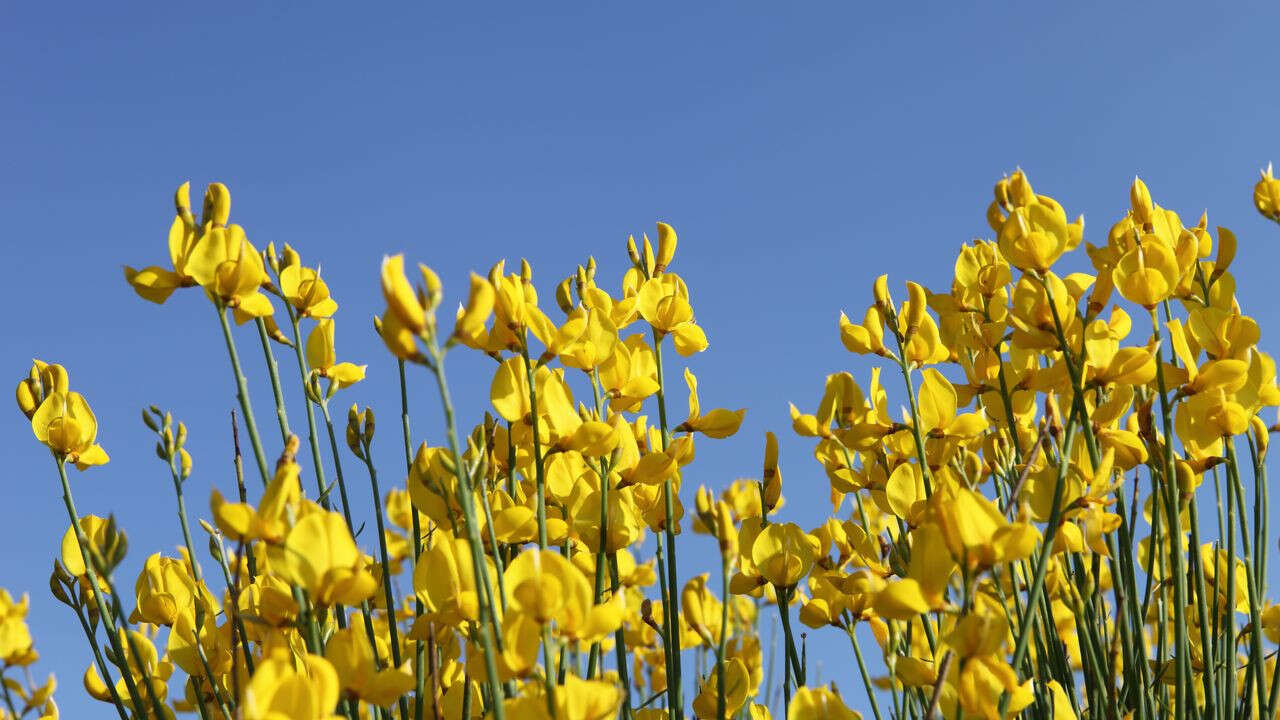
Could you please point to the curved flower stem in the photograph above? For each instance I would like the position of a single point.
(242, 394)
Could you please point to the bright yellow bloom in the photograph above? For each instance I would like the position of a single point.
(323, 359)
(784, 554)
(281, 690)
(320, 556)
(67, 426)
(819, 703)
(231, 271)
(349, 652)
(304, 289)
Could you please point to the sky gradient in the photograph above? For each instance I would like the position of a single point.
(798, 155)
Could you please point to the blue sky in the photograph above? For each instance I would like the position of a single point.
(799, 153)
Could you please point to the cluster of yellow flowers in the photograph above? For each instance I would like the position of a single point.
(1024, 538)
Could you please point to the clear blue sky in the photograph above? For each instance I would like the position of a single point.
(798, 154)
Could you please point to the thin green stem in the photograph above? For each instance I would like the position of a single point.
(242, 394)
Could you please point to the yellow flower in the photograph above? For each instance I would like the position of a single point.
(718, 423)
(156, 283)
(1266, 195)
(663, 301)
(445, 581)
(1034, 236)
(701, 609)
(67, 426)
(281, 690)
(402, 302)
(231, 271)
(819, 703)
(784, 554)
(320, 556)
(303, 288)
(737, 683)
(43, 380)
(549, 588)
(323, 359)
(164, 590)
(16, 645)
(349, 652)
(1148, 273)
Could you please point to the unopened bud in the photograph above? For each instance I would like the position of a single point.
(217, 205)
(434, 290)
(633, 254)
(880, 292)
(917, 303)
(1226, 253)
(367, 434)
(564, 295)
(1020, 192)
(1140, 200)
(666, 246)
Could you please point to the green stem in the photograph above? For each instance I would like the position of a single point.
(539, 469)
(242, 394)
(313, 437)
(671, 611)
(489, 625)
(105, 615)
(273, 369)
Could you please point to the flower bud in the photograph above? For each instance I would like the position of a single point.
(369, 424)
(432, 288)
(880, 291)
(402, 301)
(1226, 253)
(217, 205)
(271, 258)
(917, 303)
(1188, 481)
(1020, 192)
(274, 332)
(57, 586)
(1266, 195)
(564, 296)
(1140, 200)
(772, 477)
(182, 203)
(291, 257)
(648, 251)
(703, 501)
(633, 254)
(666, 246)
(479, 306)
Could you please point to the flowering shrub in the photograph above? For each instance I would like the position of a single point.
(1025, 538)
